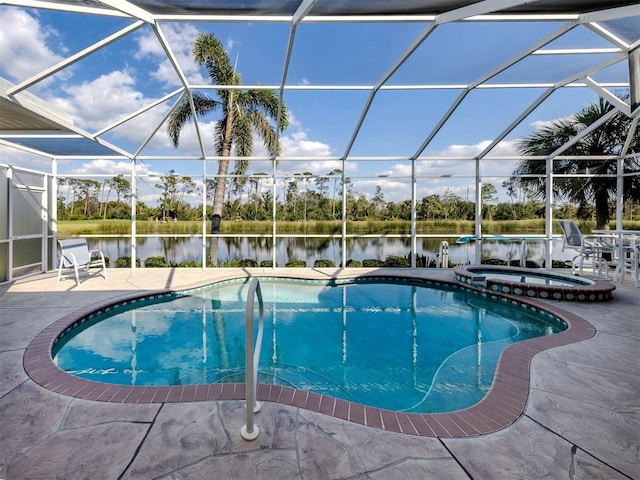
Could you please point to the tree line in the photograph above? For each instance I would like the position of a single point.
(305, 197)
(91, 199)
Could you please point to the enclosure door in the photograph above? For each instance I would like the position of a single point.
(28, 223)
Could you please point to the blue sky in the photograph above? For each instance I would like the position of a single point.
(133, 72)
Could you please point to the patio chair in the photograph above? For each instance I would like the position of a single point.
(596, 249)
(75, 254)
(630, 261)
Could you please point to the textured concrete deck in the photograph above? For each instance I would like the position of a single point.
(581, 419)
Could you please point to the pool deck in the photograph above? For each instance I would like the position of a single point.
(581, 417)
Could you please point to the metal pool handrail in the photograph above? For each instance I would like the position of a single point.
(250, 431)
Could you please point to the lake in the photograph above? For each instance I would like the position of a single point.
(180, 249)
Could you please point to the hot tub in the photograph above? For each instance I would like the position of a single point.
(533, 283)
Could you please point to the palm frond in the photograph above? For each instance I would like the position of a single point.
(608, 139)
(183, 114)
(180, 116)
(265, 102)
(265, 131)
(547, 139)
(242, 136)
(205, 104)
(240, 168)
(209, 51)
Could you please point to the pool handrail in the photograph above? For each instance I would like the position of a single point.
(250, 431)
(508, 238)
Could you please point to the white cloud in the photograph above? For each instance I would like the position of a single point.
(18, 158)
(294, 123)
(442, 172)
(98, 102)
(105, 167)
(454, 167)
(296, 143)
(180, 37)
(462, 167)
(188, 140)
(299, 144)
(504, 148)
(24, 44)
(148, 45)
(25, 50)
(540, 124)
(112, 337)
(393, 190)
(315, 167)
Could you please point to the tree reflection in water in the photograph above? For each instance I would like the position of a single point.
(185, 249)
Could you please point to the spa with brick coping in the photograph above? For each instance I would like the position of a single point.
(592, 290)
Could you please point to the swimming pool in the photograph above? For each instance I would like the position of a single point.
(397, 344)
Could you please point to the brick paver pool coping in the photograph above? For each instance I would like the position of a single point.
(502, 405)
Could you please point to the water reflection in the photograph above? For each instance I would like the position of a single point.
(183, 249)
(389, 345)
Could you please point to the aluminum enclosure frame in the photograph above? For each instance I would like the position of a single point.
(24, 117)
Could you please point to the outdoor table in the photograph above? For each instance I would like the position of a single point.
(620, 245)
(498, 238)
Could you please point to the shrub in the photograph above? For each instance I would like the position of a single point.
(528, 263)
(296, 263)
(396, 261)
(493, 261)
(107, 261)
(560, 264)
(372, 262)
(125, 262)
(156, 262)
(188, 264)
(324, 263)
(248, 262)
(422, 261)
(231, 263)
(267, 263)
(354, 264)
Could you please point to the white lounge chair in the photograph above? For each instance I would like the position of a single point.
(75, 254)
(598, 250)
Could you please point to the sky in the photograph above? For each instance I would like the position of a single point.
(133, 72)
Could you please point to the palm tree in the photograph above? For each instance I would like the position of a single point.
(243, 112)
(608, 139)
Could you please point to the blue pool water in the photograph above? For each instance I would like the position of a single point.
(384, 343)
